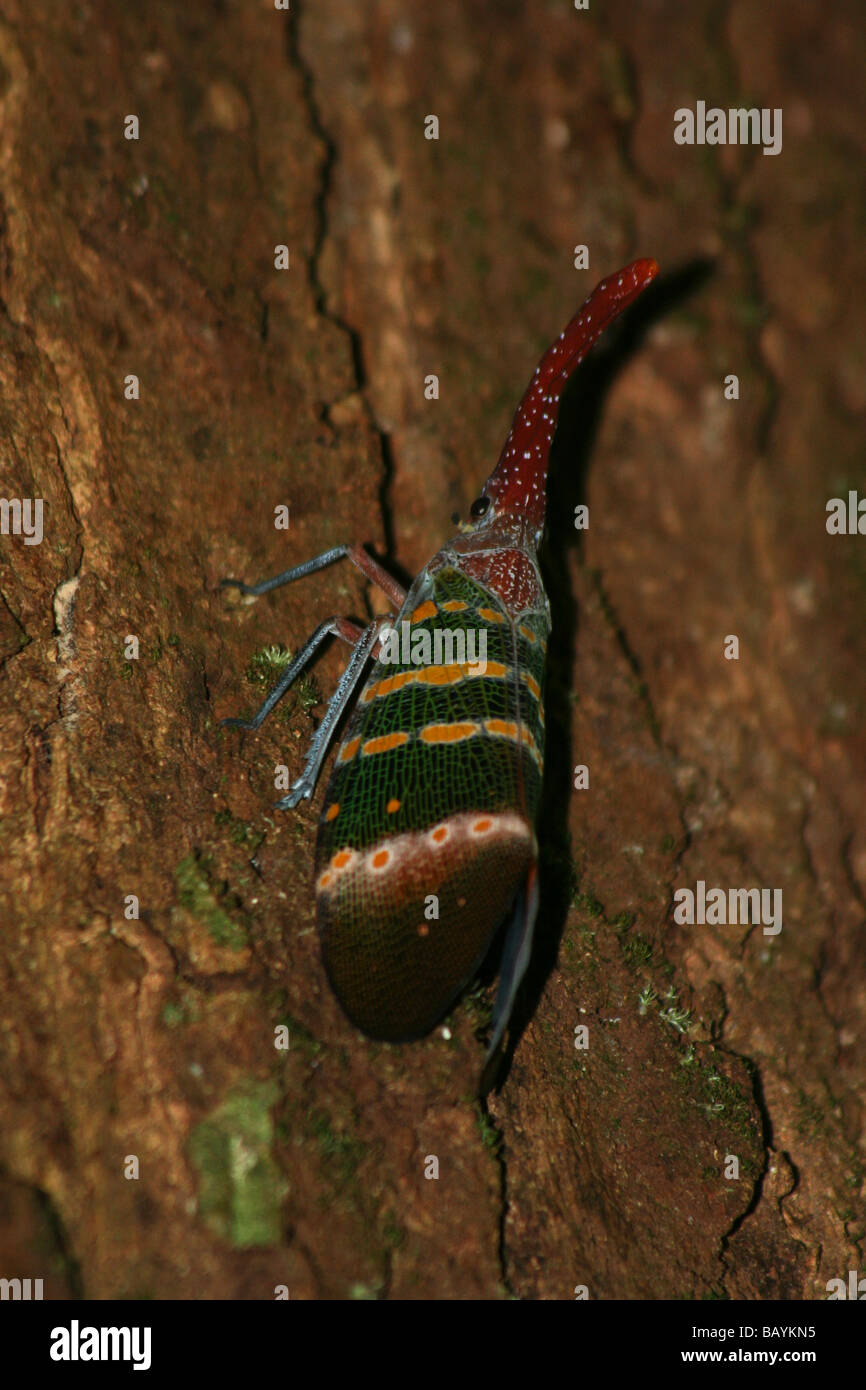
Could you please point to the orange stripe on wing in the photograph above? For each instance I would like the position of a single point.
(449, 733)
(435, 675)
(453, 674)
(440, 675)
(385, 687)
(384, 744)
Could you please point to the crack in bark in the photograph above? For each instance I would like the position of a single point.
(70, 1263)
(299, 64)
(501, 1161)
(729, 201)
(740, 246)
(302, 67)
(326, 172)
(767, 1140)
(848, 870)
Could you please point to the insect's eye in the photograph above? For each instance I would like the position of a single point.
(479, 506)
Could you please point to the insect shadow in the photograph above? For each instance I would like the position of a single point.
(581, 411)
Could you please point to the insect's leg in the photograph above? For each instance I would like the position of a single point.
(359, 557)
(334, 627)
(376, 575)
(515, 958)
(365, 647)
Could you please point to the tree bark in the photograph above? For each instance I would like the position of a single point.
(158, 921)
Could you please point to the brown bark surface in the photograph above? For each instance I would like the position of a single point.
(152, 1038)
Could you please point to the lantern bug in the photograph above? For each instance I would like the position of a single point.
(426, 840)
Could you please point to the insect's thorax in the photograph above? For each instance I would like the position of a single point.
(451, 719)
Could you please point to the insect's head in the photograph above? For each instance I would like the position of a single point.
(494, 519)
(479, 509)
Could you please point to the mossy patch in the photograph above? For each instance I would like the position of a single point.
(199, 897)
(265, 668)
(241, 1188)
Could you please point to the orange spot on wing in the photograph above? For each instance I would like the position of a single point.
(448, 733)
(325, 880)
(384, 744)
(341, 859)
(527, 633)
(439, 834)
(380, 858)
(454, 605)
(332, 811)
(348, 750)
(479, 827)
(532, 684)
(425, 610)
(490, 615)
(393, 805)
